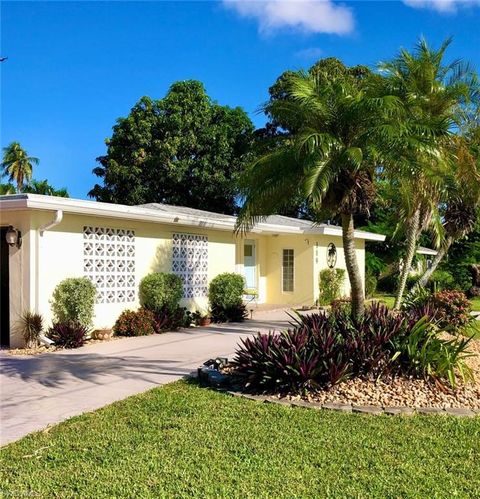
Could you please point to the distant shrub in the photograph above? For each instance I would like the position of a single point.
(68, 334)
(73, 300)
(161, 291)
(442, 280)
(225, 296)
(370, 284)
(331, 283)
(141, 322)
(32, 327)
(452, 310)
(342, 305)
(388, 283)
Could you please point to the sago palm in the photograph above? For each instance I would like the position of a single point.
(17, 164)
(329, 160)
(437, 96)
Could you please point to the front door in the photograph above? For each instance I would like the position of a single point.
(4, 290)
(250, 265)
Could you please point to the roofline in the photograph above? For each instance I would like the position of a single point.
(110, 210)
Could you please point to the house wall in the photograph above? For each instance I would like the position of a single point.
(43, 261)
(303, 293)
(58, 254)
(320, 260)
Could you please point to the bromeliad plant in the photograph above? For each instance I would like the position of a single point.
(68, 334)
(320, 350)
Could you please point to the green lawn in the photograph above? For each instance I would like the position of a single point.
(389, 300)
(181, 440)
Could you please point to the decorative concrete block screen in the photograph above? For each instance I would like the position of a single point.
(109, 262)
(190, 262)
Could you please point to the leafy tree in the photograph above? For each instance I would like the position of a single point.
(43, 187)
(334, 134)
(17, 164)
(183, 149)
(434, 95)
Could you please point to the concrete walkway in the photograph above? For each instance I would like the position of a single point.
(37, 391)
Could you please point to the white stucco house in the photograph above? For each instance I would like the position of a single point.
(53, 238)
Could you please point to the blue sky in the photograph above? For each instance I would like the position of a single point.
(74, 67)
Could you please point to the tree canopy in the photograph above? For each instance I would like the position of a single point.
(184, 149)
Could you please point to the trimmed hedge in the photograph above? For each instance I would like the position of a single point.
(73, 300)
(225, 296)
(161, 291)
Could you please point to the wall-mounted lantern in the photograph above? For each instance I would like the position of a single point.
(13, 237)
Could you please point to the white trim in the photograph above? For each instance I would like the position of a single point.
(293, 278)
(119, 211)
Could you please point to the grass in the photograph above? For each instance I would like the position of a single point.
(390, 299)
(181, 440)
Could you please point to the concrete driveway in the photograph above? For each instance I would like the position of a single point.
(37, 391)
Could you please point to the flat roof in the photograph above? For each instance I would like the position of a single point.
(172, 215)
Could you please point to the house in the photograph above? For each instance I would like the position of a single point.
(52, 238)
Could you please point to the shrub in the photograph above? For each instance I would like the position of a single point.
(32, 327)
(74, 300)
(417, 297)
(225, 296)
(442, 280)
(141, 322)
(331, 284)
(452, 310)
(168, 320)
(370, 284)
(320, 350)
(161, 291)
(388, 283)
(342, 304)
(68, 334)
(423, 353)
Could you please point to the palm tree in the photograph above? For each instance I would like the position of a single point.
(43, 187)
(330, 158)
(436, 96)
(463, 198)
(17, 164)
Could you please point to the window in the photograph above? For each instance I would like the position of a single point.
(287, 270)
(190, 262)
(109, 262)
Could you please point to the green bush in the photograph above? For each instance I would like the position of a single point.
(370, 284)
(331, 284)
(442, 280)
(161, 291)
(225, 296)
(388, 283)
(452, 310)
(73, 300)
(135, 323)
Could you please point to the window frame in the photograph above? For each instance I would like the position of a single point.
(283, 271)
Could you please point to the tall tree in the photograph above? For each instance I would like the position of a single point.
(184, 149)
(435, 94)
(17, 164)
(328, 155)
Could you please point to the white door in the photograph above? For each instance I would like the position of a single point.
(249, 263)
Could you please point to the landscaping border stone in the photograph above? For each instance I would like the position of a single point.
(219, 381)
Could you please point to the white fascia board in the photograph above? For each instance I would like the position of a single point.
(427, 251)
(337, 231)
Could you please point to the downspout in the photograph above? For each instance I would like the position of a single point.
(41, 230)
(58, 218)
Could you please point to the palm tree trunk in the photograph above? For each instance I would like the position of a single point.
(351, 262)
(412, 237)
(438, 258)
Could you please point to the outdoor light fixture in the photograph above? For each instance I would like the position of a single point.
(13, 237)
